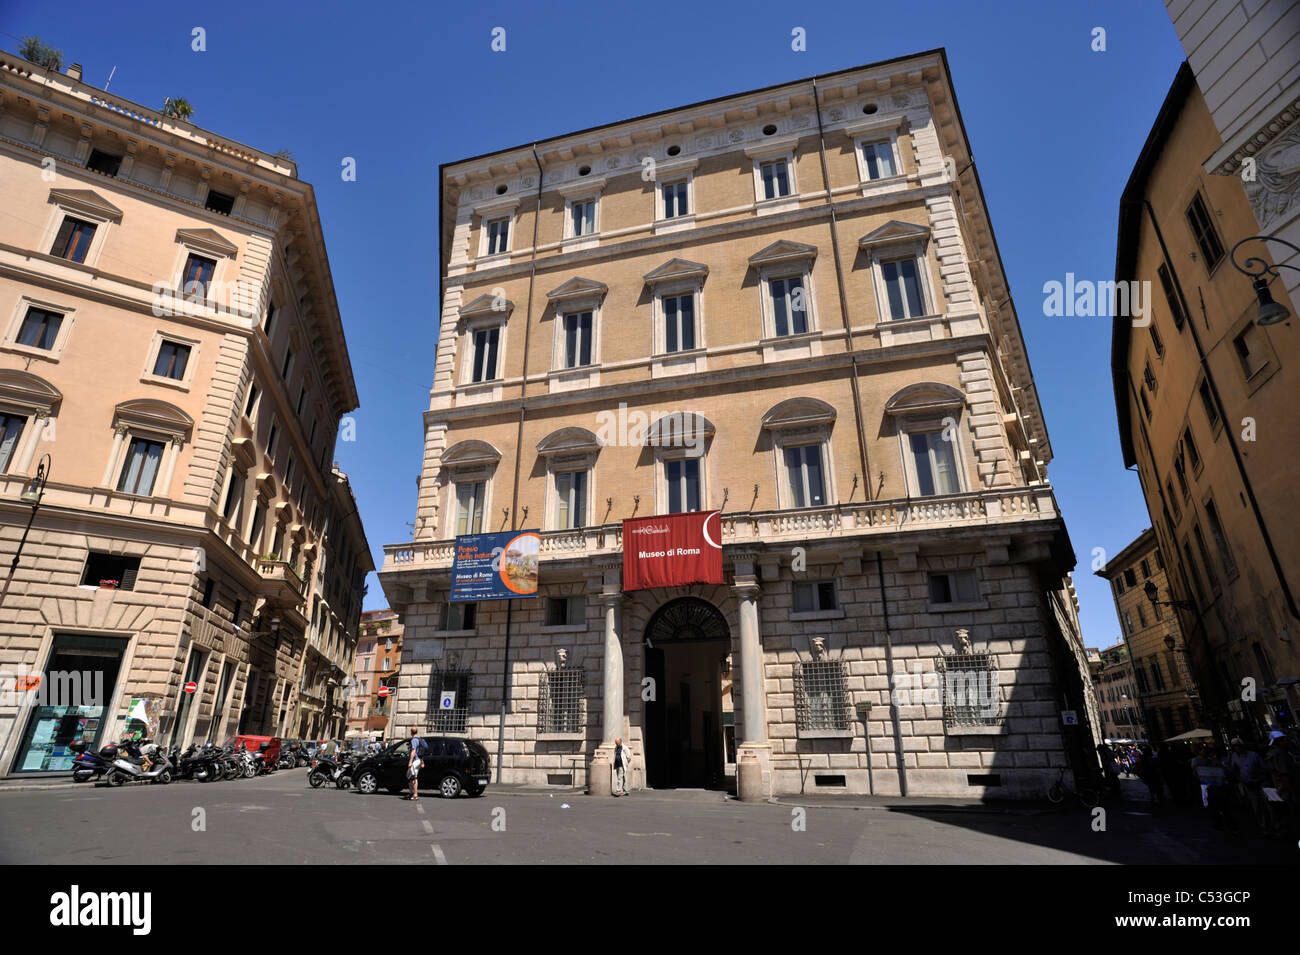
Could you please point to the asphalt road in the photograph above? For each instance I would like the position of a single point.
(280, 819)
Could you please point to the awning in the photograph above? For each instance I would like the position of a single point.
(1191, 734)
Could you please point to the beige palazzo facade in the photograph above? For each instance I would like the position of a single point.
(785, 305)
(173, 374)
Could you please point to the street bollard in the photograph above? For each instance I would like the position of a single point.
(749, 779)
(599, 782)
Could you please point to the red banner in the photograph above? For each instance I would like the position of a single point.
(672, 550)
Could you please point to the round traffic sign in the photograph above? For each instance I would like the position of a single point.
(384, 691)
(191, 687)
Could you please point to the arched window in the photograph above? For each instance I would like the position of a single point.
(800, 431)
(27, 407)
(927, 416)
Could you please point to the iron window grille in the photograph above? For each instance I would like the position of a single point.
(971, 696)
(820, 703)
(454, 720)
(561, 702)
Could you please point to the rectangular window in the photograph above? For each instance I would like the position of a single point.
(566, 611)
(461, 616)
(270, 319)
(73, 240)
(1193, 572)
(1149, 378)
(197, 277)
(288, 473)
(101, 567)
(1128, 622)
(803, 466)
(171, 361)
(1250, 352)
(302, 396)
(234, 497)
(571, 499)
(903, 284)
(1159, 679)
(814, 595)
(776, 178)
(256, 527)
(674, 196)
(1156, 341)
(141, 469)
(560, 701)
(469, 507)
(1205, 557)
(683, 476)
(251, 403)
(1142, 617)
(1146, 405)
(219, 202)
(1193, 455)
(498, 236)
(936, 465)
(288, 363)
(1146, 569)
(679, 322)
(1130, 578)
(1207, 236)
(820, 701)
(40, 329)
(1207, 402)
(104, 162)
(1220, 539)
(789, 306)
(879, 158)
(956, 587)
(583, 217)
(11, 429)
(209, 591)
(1171, 296)
(485, 353)
(577, 339)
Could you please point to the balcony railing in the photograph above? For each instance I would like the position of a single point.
(997, 506)
(279, 579)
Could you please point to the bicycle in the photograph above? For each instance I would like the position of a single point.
(1057, 792)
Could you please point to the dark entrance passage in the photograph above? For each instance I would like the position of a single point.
(686, 646)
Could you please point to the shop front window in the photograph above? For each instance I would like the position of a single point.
(70, 703)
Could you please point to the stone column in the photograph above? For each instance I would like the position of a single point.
(119, 435)
(164, 484)
(753, 693)
(611, 721)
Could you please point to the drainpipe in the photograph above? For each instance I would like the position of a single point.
(844, 304)
(889, 668)
(514, 494)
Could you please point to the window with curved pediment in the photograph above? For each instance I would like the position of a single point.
(800, 432)
(570, 456)
(467, 470)
(27, 409)
(928, 418)
(146, 446)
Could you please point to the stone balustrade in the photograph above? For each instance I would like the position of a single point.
(994, 506)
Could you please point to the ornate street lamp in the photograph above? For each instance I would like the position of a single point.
(1149, 588)
(32, 495)
(1269, 312)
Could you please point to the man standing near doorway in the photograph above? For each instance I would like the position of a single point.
(622, 763)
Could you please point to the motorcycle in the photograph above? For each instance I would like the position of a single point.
(287, 760)
(129, 765)
(336, 770)
(89, 766)
(195, 763)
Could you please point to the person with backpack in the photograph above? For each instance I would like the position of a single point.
(418, 748)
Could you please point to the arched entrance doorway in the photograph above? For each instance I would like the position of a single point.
(687, 644)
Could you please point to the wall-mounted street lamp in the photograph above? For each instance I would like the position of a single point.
(1153, 594)
(1269, 311)
(32, 495)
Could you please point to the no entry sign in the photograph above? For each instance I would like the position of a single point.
(384, 691)
(191, 687)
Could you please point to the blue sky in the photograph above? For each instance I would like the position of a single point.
(1055, 128)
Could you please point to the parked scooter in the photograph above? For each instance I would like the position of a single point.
(336, 770)
(90, 766)
(198, 764)
(129, 765)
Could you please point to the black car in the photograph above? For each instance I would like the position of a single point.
(451, 766)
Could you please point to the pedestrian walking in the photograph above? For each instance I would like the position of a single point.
(416, 761)
(1250, 773)
(1213, 781)
(1110, 767)
(1285, 773)
(1149, 771)
(622, 763)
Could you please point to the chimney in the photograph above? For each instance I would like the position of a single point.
(74, 72)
